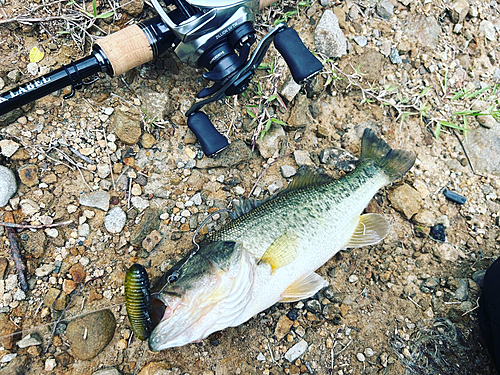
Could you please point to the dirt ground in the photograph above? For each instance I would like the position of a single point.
(406, 305)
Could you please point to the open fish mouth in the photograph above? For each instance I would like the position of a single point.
(185, 310)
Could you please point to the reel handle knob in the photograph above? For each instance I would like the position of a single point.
(301, 62)
(211, 140)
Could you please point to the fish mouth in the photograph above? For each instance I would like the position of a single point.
(198, 313)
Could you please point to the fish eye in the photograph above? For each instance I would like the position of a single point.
(173, 277)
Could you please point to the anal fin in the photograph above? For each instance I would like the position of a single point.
(304, 287)
(282, 251)
(371, 229)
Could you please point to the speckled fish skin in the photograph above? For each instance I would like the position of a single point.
(278, 246)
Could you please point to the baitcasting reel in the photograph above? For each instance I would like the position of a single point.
(216, 35)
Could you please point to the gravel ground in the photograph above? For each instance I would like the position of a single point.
(118, 161)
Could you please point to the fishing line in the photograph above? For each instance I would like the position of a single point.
(31, 329)
(175, 274)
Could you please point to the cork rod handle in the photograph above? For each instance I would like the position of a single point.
(129, 47)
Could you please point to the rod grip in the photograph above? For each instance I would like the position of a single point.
(126, 49)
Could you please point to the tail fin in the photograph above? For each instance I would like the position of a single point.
(394, 163)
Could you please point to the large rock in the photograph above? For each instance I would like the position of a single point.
(236, 153)
(127, 127)
(272, 141)
(425, 30)
(8, 185)
(96, 199)
(18, 366)
(150, 221)
(483, 148)
(99, 328)
(406, 200)
(328, 37)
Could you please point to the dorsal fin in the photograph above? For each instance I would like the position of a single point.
(243, 206)
(307, 176)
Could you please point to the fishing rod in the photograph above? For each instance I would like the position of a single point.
(216, 35)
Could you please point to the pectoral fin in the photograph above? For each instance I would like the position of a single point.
(304, 287)
(371, 229)
(282, 251)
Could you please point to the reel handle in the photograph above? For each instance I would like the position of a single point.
(210, 139)
(301, 62)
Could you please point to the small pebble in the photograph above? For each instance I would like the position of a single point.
(454, 197)
(369, 352)
(360, 357)
(115, 220)
(296, 351)
(8, 357)
(353, 279)
(32, 339)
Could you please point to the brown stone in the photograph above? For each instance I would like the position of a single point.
(151, 240)
(94, 296)
(28, 174)
(282, 327)
(56, 298)
(69, 286)
(90, 334)
(4, 263)
(156, 368)
(78, 273)
(7, 327)
(21, 154)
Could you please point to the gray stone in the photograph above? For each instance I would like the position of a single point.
(296, 351)
(10, 117)
(96, 199)
(338, 158)
(115, 220)
(302, 157)
(14, 75)
(150, 221)
(90, 334)
(140, 203)
(361, 40)
(462, 291)
(385, 10)
(236, 153)
(2, 83)
(496, 74)
(325, 3)
(478, 277)
(483, 149)
(197, 200)
(84, 230)
(328, 37)
(488, 29)
(287, 171)
(33, 339)
(395, 57)
(487, 121)
(107, 371)
(44, 270)
(429, 285)
(458, 10)
(8, 185)
(275, 186)
(18, 366)
(270, 144)
(8, 357)
(290, 89)
(8, 147)
(425, 30)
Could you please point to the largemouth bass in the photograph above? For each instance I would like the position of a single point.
(270, 252)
